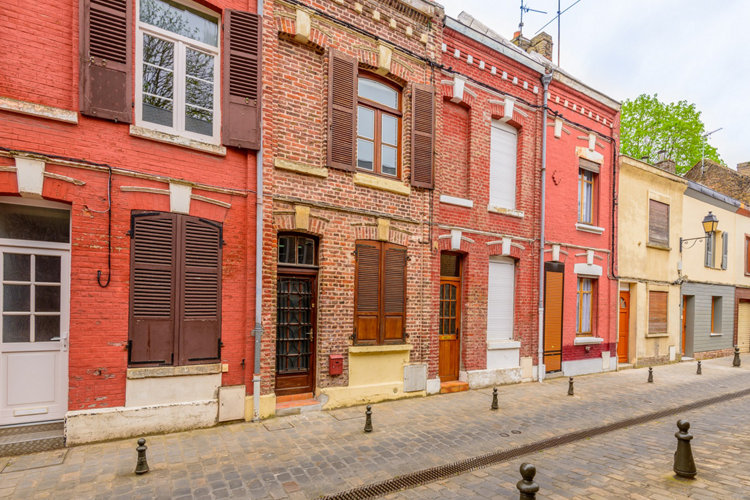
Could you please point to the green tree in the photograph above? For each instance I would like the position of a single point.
(648, 126)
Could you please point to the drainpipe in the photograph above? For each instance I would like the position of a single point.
(546, 79)
(258, 330)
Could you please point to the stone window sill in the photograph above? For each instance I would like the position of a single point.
(503, 344)
(38, 110)
(155, 135)
(374, 349)
(588, 228)
(715, 334)
(300, 168)
(587, 340)
(656, 335)
(377, 182)
(454, 200)
(658, 246)
(173, 371)
(512, 212)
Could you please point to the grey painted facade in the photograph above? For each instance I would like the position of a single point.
(697, 298)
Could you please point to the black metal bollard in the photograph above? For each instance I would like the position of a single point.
(527, 486)
(368, 419)
(570, 386)
(141, 466)
(699, 372)
(736, 361)
(684, 465)
(650, 375)
(494, 406)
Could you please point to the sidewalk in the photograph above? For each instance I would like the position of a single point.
(311, 454)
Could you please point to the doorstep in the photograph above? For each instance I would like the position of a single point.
(453, 386)
(294, 404)
(30, 438)
(624, 366)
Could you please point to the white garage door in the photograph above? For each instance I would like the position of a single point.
(500, 299)
(743, 326)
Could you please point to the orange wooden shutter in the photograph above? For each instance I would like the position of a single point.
(342, 111)
(105, 49)
(152, 294)
(200, 291)
(241, 94)
(367, 287)
(422, 135)
(657, 312)
(394, 293)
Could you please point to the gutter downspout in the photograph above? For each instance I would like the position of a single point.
(546, 79)
(258, 329)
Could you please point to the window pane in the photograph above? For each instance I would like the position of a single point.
(47, 298)
(378, 92)
(365, 154)
(305, 251)
(365, 122)
(23, 222)
(199, 120)
(158, 80)
(449, 265)
(388, 134)
(46, 327)
(17, 267)
(180, 19)
(199, 65)
(47, 268)
(388, 160)
(286, 249)
(16, 298)
(16, 328)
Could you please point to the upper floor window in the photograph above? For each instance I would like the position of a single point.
(378, 126)
(297, 250)
(586, 199)
(658, 223)
(503, 146)
(177, 69)
(585, 306)
(709, 260)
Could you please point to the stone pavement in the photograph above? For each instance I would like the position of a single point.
(317, 453)
(631, 463)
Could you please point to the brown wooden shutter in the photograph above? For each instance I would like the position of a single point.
(658, 222)
(200, 291)
(394, 293)
(152, 294)
(657, 312)
(342, 111)
(422, 135)
(242, 80)
(105, 67)
(367, 292)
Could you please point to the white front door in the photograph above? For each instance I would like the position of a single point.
(35, 307)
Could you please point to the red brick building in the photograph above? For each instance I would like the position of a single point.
(349, 113)
(127, 214)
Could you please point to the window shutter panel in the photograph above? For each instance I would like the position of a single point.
(241, 93)
(367, 287)
(709, 250)
(394, 293)
(503, 151)
(658, 222)
(200, 297)
(657, 312)
(724, 249)
(342, 111)
(105, 81)
(152, 294)
(422, 135)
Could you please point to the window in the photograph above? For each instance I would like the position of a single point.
(500, 298)
(175, 296)
(503, 147)
(380, 293)
(450, 294)
(378, 127)
(297, 250)
(724, 249)
(657, 312)
(710, 249)
(716, 303)
(586, 198)
(584, 306)
(658, 223)
(177, 82)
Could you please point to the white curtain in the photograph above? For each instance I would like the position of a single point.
(584, 305)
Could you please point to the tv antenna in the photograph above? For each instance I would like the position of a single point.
(559, 13)
(525, 8)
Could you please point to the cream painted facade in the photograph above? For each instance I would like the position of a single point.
(643, 266)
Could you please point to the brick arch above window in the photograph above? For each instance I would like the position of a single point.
(517, 119)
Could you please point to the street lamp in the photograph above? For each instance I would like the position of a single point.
(710, 223)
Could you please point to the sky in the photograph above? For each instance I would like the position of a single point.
(692, 50)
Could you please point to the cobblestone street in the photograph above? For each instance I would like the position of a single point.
(314, 454)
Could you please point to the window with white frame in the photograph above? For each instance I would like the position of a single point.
(177, 69)
(503, 145)
(585, 306)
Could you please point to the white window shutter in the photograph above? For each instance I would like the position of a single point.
(724, 249)
(503, 146)
(500, 299)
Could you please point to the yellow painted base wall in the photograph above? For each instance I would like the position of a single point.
(267, 406)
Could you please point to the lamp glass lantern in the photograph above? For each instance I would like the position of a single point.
(710, 223)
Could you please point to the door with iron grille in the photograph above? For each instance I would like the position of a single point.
(296, 295)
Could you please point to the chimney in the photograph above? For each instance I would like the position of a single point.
(667, 166)
(744, 168)
(541, 44)
(521, 41)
